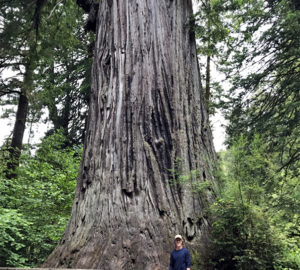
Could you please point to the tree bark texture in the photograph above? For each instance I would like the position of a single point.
(147, 124)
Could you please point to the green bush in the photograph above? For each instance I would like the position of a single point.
(35, 206)
(243, 237)
(14, 229)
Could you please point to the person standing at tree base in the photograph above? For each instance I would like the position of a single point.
(180, 258)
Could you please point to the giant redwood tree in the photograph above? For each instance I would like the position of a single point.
(147, 126)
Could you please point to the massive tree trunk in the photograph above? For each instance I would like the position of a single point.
(147, 124)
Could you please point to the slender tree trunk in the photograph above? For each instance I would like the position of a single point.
(20, 124)
(208, 57)
(147, 119)
(207, 85)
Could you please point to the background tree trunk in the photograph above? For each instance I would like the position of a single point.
(146, 118)
(207, 85)
(20, 122)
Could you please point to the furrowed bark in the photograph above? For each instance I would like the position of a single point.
(147, 124)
